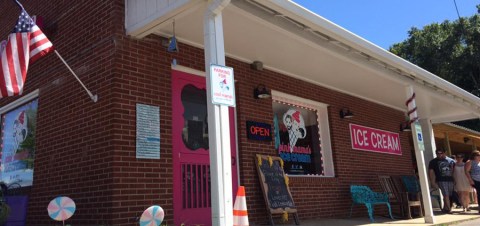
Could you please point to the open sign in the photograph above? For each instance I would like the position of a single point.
(259, 131)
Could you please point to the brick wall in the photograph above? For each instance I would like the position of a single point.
(74, 136)
(86, 150)
(316, 197)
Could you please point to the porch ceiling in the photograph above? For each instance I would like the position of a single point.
(294, 41)
(456, 133)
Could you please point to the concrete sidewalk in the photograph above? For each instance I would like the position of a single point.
(442, 219)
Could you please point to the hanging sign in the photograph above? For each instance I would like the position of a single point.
(375, 140)
(222, 85)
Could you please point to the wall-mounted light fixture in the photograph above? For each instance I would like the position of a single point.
(405, 126)
(261, 92)
(346, 113)
(256, 65)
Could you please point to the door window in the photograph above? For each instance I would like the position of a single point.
(195, 129)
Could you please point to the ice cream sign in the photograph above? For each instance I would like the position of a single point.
(222, 85)
(370, 139)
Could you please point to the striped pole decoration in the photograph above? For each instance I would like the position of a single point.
(412, 109)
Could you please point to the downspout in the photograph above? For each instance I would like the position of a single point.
(218, 120)
(216, 7)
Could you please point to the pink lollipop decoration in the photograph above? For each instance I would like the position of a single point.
(61, 208)
(153, 216)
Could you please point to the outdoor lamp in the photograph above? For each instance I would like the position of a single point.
(260, 92)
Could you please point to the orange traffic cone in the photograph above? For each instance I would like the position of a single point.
(240, 215)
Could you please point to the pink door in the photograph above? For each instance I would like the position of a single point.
(191, 161)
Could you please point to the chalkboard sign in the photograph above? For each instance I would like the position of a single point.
(274, 185)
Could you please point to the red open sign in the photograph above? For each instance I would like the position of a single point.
(259, 131)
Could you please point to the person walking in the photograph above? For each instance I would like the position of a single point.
(472, 171)
(440, 170)
(462, 185)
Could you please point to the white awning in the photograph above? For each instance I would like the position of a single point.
(291, 40)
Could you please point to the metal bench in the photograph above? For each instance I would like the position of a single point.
(364, 195)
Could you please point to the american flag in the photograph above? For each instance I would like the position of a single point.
(25, 44)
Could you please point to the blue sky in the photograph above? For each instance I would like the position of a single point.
(385, 22)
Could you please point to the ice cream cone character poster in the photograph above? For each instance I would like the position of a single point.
(18, 144)
(20, 130)
(297, 139)
(295, 124)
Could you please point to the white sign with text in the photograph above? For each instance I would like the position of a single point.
(222, 85)
(375, 140)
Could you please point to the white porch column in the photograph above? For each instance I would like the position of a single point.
(422, 171)
(428, 140)
(218, 121)
(447, 144)
(430, 146)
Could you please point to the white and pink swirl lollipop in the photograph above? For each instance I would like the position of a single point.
(61, 208)
(153, 216)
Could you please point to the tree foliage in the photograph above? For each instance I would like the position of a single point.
(450, 50)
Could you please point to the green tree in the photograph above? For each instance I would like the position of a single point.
(450, 50)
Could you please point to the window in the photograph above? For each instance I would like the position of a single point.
(195, 130)
(18, 140)
(302, 136)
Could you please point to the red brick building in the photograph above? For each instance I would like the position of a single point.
(88, 150)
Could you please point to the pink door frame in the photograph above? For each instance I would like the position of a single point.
(191, 192)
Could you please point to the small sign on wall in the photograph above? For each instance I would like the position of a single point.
(222, 85)
(259, 131)
(148, 132)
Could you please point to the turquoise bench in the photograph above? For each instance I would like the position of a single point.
(364, 195)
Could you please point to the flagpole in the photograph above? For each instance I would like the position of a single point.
(18, 29)
(93, 97)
